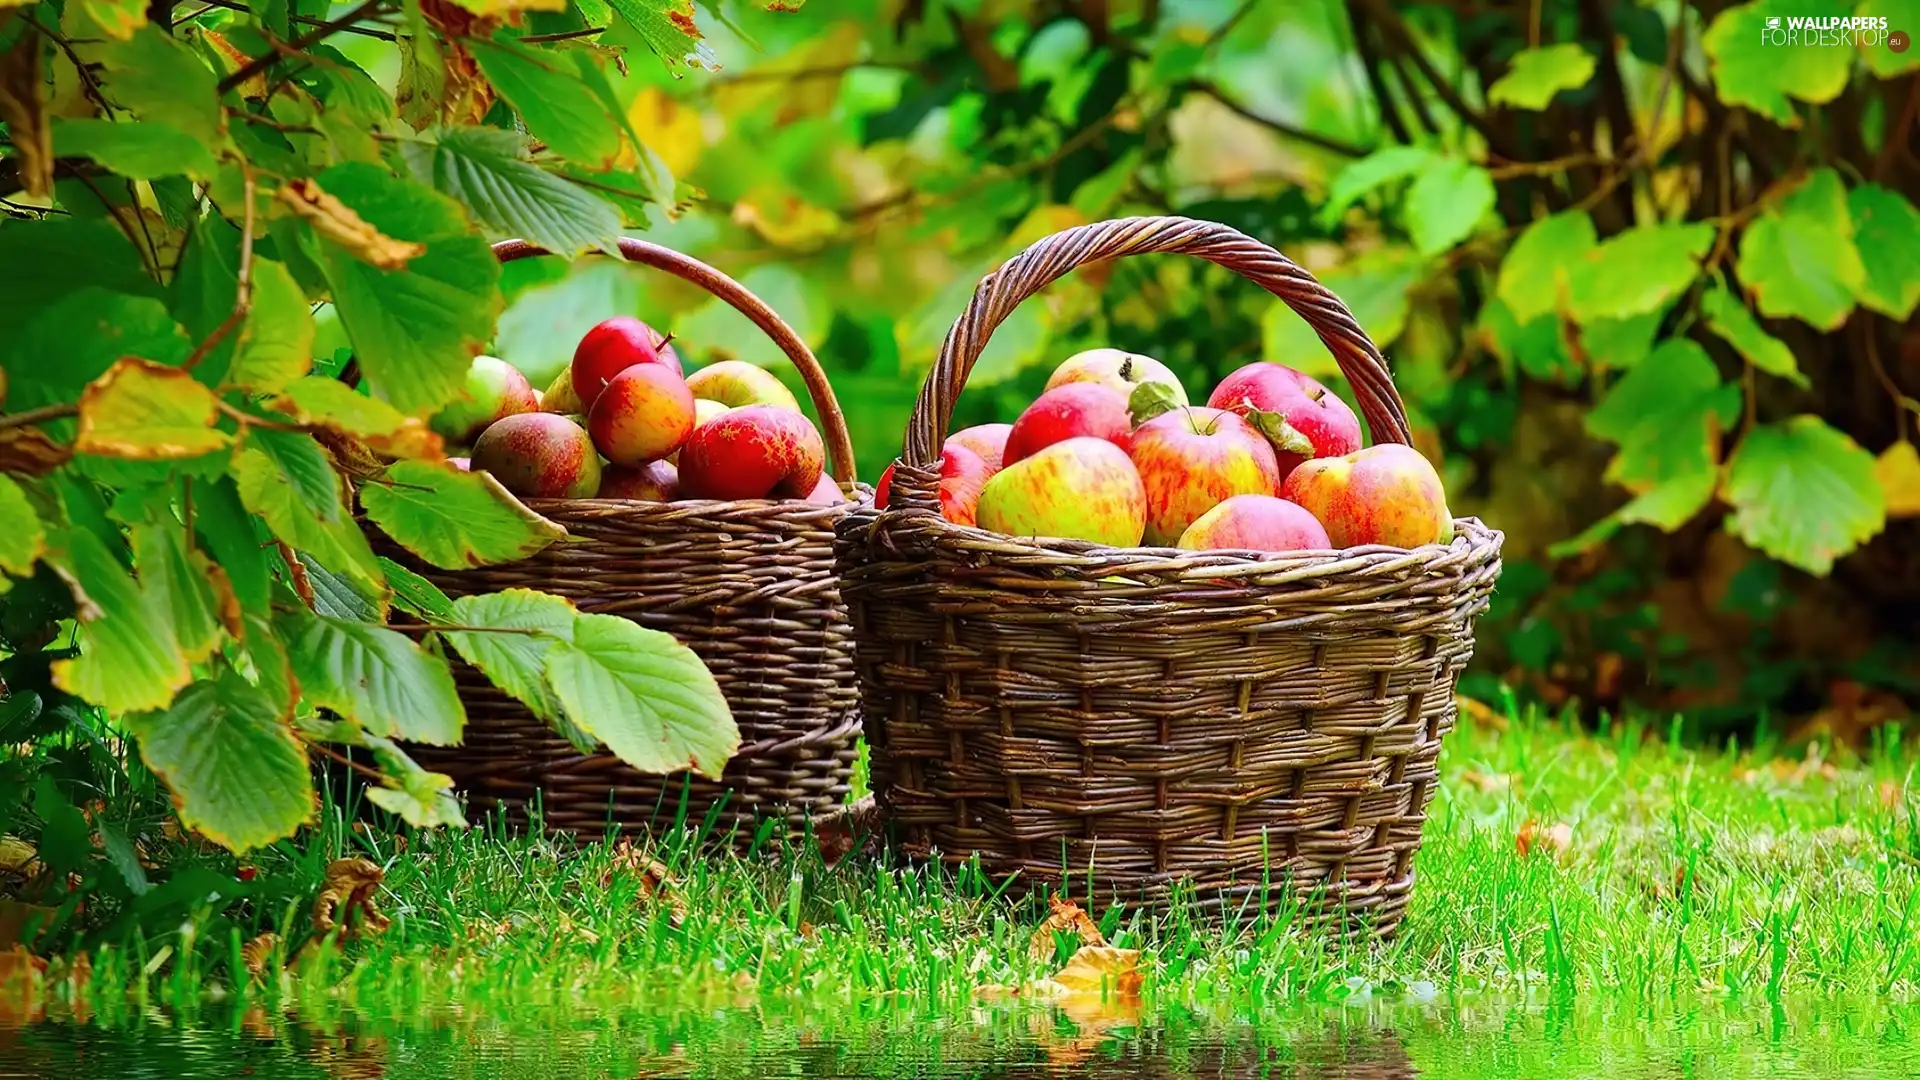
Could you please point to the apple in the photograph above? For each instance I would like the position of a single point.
(703, 411)
(736, 383)
(1309, 408)
(656, 481)
(1256, 523)
(1117, 370)
(1192, 459)
(1070, 411)
(753, 452)
(559, 396)
(643, 415)
(962, 474)
(827, 492)
(540, 456)
(1386, 494)
(987, 440)
(611, 347)
(1082, 488)
(494, 389)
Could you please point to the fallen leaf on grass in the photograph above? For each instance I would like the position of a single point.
(1892, 793)
(1480, 712)
(256, 954)
(1486, 782)
(1852, 711)
(1065, 917)
(1099, 970)
(1547, 839)
(656, 884)
(851, 827)
(18, 858)
(350, 885)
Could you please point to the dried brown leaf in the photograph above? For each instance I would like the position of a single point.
(348, 893)
(256, 954)
(336, 221)
(27, 450)
(24, 108)
(1546, 839)
(656, 883)
(18, 858)
(1065, 917)
(849, 828)
(1102, 969)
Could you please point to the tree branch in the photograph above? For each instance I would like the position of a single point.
(304, 41)
(1370, 60)
(57, 411)
(1212, 90)
(1396, 31)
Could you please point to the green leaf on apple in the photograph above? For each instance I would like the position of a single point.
(1285, 438)
(1149, 399)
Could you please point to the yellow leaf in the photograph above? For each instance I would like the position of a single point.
(1898, 470)
(510, 9)
(148, 411)
(783, 218)
(669, 127)
(232, 59)
(328, 403)
(337, 222)
(1099, 969)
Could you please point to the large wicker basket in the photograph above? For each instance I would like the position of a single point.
(749, 586)
(1237, 730)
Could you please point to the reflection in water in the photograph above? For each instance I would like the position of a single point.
(1385, 1043)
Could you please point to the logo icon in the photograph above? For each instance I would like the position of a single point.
(1773, 22)
(1898, 41)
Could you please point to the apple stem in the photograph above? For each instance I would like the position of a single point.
(1126, 369)
(1318, 393)
(663, 342)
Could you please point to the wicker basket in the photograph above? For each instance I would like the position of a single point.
(1238, 730)
(749, 586)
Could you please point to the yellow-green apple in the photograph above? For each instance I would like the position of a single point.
(559, 396)
(987, 440)
(539, 455)
(1192, 459)
(656, 481)
(1067, 412)
(735, 383)
(494, 389)
(1386, 494)
(1256, 523)
(1117, 370)
(1261, 391)
(753, 452)
(611, 347)
(827, 492)
(643, 415)
(703, 411)
(1083, 488)
(962, 474)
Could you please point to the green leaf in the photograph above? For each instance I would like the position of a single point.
(375, 677)
(1665, 415)
(337, 597)
(1534, 274)
(1730, 320)
(1284, 436)
(422, 799)
(160, 79)
(1900, 15)
(121, 854)
(539, 331)
(129, 658)
(148, 411)
(416, 595)
(1887, 235)
(1804, 493)
(118, 19)
(1752, 70)
(669, 29)
(64, 843)
(184, 583)
(415, 331)
(1666, 506)
(1799, 258)
(322, 402)
(511, 197)
(229, 532)
(140, 150)
(1538, 74)
(645, 695)
(288, 480)
(1445, 204)
(455, 519)
(1370, 173)
(632, 193)
(76, 338)
(42, 262)
(1621, 343)
(1637, 271)
(276, 340)
(516, 662)
(237, 772)
(1376, 292)
(1150, 399)
(24, 539)
(546, 90)
(715, 330)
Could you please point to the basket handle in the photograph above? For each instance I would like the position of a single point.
(1050, 257)
(688, 268)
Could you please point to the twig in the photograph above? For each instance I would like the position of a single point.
(243, 295)
(1899, 133)
(365, 770)
(1900, 398)
(302, 20)
(149, 259)
(41, 415)
(1220, 32)
(304, 41)
(1370, 61)
(1396, 29)
(565, 35)
(91, 84)
(297, 571)
(247, 419)
(1207, 87)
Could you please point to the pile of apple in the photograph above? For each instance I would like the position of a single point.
(1113, 453)
(623, 421)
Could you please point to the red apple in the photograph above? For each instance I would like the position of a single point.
(539, 455)
(987, 440)
(756, 452)
(827, 492)
(1192, 459)
(644, 414)
(1082, 488)
(1256, 523)
(962, 474)
(1116, 370)
(494, 389)
(656, 481)
(1310, 408)
(1066, 412)
(1386, 494)
(612, 347)
(736, 383)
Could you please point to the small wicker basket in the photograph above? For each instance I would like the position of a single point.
(1235, 729)
(749, 586)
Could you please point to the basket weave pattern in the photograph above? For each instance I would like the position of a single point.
(749, 586)
(1235, 727)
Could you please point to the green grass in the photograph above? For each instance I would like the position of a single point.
(1688, 876)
